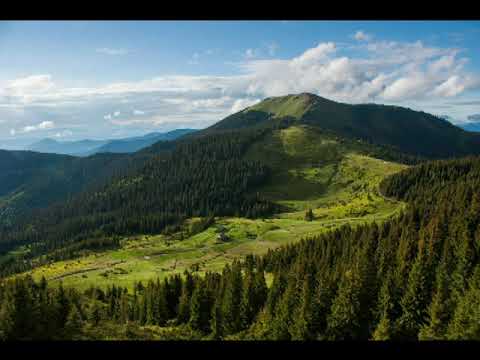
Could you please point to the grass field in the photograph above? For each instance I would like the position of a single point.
(310, 171)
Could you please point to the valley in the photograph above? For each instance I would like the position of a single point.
(215, 235)
(311, 170)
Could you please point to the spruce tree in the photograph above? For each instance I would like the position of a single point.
(302, 328)
(465, 324)
(232, 300)
(216, 323)
(439, 309)
(73, 325)
(414, 302)
(343, 320)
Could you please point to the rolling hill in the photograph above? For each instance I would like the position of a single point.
(409, 131)
(279, 156)
(30, 180)
(320, 193)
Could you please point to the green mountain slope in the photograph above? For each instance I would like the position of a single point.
(30, 180)
(278, 158)
(309, 169)
(413, 132)
(240, 177)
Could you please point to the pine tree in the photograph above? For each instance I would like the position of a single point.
(283, 320)
(343, 320)
(247, 306)
(95, 314)
(385, 329)
(73, 325)
(124, 309)
(309, 215)
(184, 301)
(303, 317)
(465, 324)
(232, 300)
(7, 321)
(216, 323)
(322, 302)
(414, 302)
(438, 312)
(260, 290)
(199, 314)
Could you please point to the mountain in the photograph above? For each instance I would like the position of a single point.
(409, 131)
(473, 124)
(30, 180)
(133, 144)
(361, 245)
(90, 147)
(66, 147)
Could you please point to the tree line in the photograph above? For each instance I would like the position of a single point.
(413, 277)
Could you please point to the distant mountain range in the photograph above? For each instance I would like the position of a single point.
(471, 126)
(90, 147)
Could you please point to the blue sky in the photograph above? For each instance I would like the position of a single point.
(73, 80)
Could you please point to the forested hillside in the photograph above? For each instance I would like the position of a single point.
(30, 180)
(416, 276)
(198, 178)
(413, 132)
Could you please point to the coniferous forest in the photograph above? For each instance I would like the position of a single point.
(414, 277)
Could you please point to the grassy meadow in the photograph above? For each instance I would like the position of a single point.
(310, 171)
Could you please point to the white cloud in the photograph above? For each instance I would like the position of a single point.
(111, 51)
(362, 36)
(272, 48)
(250, 53)
(241, 104)
(64, 133)
(195, 59)
(44, 125)
(451, 87)
(27, 88)
(314, 56)
(382, 71)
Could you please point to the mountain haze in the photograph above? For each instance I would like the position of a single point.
(90, 147)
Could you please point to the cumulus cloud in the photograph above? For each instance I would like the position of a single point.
(362, 36)
(250, 53)
(272, 48)
(241, 104)
(474, 117)
(195, 59)
(44, 125)
(64, 133)
(379, 71)
(112, 51)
